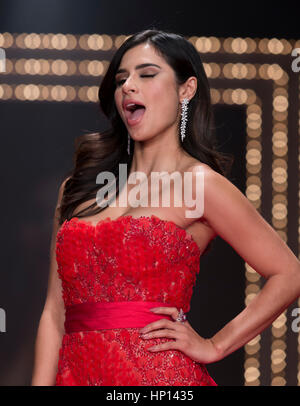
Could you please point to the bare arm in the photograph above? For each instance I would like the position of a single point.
(236, 221)
(51, 325)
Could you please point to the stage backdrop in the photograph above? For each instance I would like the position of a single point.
(48, 97)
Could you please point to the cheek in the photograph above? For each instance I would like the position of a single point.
(164, 100)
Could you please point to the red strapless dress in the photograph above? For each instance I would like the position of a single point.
(140, 261)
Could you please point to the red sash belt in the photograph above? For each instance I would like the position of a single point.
(109, 315)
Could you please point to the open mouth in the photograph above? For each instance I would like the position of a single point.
(134, 112)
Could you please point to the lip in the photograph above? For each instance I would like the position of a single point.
(128, 101)
(131, 122)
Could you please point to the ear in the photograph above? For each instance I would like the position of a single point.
(188, 88)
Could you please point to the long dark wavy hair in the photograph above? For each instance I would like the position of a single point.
(105, 151)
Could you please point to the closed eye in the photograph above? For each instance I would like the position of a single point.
(119, 82)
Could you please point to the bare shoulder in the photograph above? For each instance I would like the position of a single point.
(213, 179)
(208, 174)
(194, 166)
(235, 219)
(220, 194)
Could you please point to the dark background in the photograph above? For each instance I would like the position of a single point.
(37, 142)
(208, 18)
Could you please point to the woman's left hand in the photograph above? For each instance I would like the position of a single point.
(186, 338)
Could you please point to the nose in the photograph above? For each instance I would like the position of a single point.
(129, 85)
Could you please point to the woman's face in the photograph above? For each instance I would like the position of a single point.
(154, 86)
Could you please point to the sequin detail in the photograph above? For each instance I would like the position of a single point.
(127, 259)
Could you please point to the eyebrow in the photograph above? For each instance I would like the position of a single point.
(143, 65)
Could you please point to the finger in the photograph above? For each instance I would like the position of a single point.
(158, 324)
(161, 333)
(171, 345)
(172, 311)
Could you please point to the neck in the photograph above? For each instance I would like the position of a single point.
(160, 153)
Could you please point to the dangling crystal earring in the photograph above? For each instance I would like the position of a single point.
(128, 145)
(184, 110)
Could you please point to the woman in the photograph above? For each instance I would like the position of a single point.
(125, 276)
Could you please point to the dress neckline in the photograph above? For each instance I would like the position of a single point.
(129, 216)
